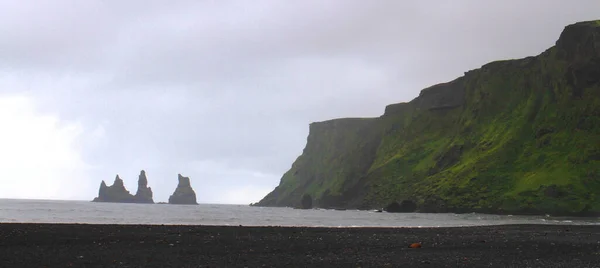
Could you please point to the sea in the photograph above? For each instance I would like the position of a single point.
(54, 211)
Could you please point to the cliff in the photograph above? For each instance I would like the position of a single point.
(184, 194)
(516, 136)
(118, 194)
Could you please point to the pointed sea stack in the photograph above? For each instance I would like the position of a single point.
(144, 193)
(114, 193)
(184, 194)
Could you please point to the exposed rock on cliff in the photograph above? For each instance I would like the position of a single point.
(114, 193)
(184, 194)
(306, 202)
(404, 206)
(515, 136)
(144, 193)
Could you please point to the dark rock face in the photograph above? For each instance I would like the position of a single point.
(442, 96)
(144, 193)
(553, 191)
(433, 204)
(404, 206)
(579, 44)
(447, 159)
(114, 193)
(580, 41)
(184, 194)
(397, 109)
(306, 202)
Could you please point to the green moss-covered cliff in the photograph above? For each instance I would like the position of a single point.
(515, 136)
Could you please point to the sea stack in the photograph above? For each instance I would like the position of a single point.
(144, 193)
(118, 194)
(184, 194)
(114, 193)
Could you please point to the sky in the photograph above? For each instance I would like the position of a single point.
(224, 91)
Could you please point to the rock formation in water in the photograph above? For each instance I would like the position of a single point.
(118, 194)
(184, 194)
(144, 193)
(515, 136)
(114, 193)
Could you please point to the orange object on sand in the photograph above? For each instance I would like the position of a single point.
(415, 245)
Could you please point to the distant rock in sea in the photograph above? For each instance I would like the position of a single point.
(184, 194)
(114, 193)
(118, 194)
(144, 193)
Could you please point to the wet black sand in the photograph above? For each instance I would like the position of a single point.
(62, 245)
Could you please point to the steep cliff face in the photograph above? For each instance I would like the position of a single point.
(184, 194)
(337, 153)
(114, 193)
(144, 193)
(515, 136)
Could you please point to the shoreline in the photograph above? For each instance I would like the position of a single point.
(116, 245)
(450, 211)
(566, 224)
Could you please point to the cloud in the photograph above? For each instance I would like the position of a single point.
(223, 91)
(40, 157)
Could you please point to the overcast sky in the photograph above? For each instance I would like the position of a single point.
(224, 91)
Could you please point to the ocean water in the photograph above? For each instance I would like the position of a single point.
(52, 211)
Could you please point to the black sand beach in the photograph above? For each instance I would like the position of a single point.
(71, 245)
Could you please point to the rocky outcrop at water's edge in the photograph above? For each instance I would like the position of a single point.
(184, 194)
(118, 194)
